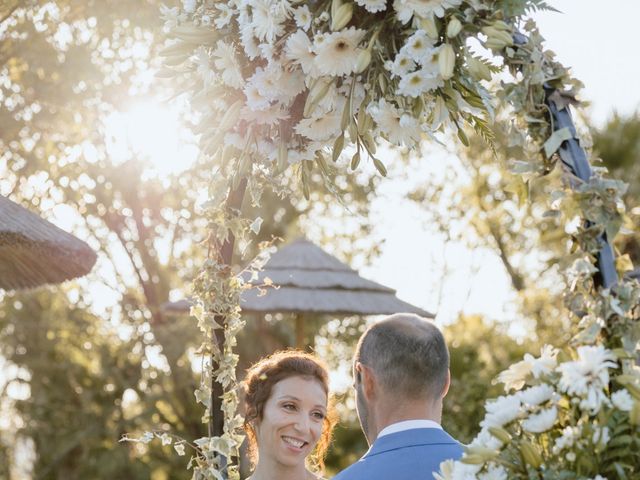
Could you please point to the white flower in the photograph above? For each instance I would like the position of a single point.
(337, 52)
(452, 470)
(485, 439)
(189, 6)
(320, 128)
(416, 83)
(622, 400)
(273, 83)
(170, 17)
(418, 46)
(249, 42)
(302, 16)
(268, 116)
(494, 472)
(546, 362)
(298, 50)
(204, 67)
(268, 17)
(536, 395)
(396, 126)
(588, 375)
(567, 439)
(501, 411)
(515, 376)
(541, 421)
(224, 17)
(405, 9)
(226, 63)
(402, 65)
(255, 100)
(373, 6)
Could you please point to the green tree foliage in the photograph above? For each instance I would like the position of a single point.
(617, 143)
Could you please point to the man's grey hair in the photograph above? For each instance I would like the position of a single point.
(408, 355)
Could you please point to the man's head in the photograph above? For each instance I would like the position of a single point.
(402, 362)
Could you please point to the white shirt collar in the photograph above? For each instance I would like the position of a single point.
(408, 425)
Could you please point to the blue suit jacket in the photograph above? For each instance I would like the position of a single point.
(408, 455)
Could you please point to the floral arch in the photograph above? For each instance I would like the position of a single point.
(315, 86)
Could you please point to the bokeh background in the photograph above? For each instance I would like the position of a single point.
(94, 142)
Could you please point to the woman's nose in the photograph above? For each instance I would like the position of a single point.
(302, 423)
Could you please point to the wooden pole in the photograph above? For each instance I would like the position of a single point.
(233, 205)
(300, 343)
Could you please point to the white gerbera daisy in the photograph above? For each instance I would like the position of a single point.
(271, 115)
(249, 42)
(541, 421)
(320, 128)
(405, 9)
(501, 411)
(373, 6)
(587, 376)
(224, 17)
(255, 100)
(226, 63)
(416, 83)
(298, 50)
(394, 124)
(536, 395)
(337, 52)
(204, 67)
(402, 65)
(419, 47)
(302, 17)
(268, 17)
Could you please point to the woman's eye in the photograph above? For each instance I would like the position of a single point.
(318, 415)
(289, 406)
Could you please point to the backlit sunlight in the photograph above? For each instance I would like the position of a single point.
(154, 133)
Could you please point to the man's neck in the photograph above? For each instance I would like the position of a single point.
(407, 411)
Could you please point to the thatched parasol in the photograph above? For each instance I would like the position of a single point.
(309, 280)
(34, 252)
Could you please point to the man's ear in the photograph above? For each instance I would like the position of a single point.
(447, 384)
(369, 381)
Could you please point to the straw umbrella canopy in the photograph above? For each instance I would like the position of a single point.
(35, 252)
(306, 279)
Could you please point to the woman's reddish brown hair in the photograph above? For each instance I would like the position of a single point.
(259, 382)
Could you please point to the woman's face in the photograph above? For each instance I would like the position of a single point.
(292, 420)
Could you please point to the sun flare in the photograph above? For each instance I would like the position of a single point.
(153, 133)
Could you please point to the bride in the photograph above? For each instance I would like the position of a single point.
(288, 416)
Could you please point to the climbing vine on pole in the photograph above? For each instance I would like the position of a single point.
(317, 86)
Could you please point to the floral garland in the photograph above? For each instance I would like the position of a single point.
(284, 83)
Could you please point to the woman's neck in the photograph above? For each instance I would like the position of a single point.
(271, 470)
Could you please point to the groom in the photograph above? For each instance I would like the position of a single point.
(401, 373)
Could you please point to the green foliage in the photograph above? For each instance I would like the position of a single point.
(478, 353)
